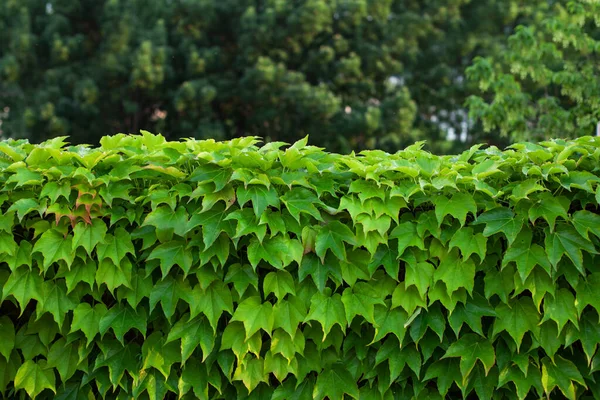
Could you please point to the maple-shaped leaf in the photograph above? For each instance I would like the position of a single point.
(579, 179)
(167, 222)
(328, 310)
(367, 190)
(247, 224)
(560, 308)
(54, 246)
(501, 219)
(538, 283)
(446, 372)
(140, 287)
(8, 246)
(550, 208)
(171, 253)
(561, 373)
(118, 358)
(260, 196)
(458, 206)
(526, 255)
(455, 273)
(332, 237)
(35, 377)
(523, 382)
(24, 285)
(566, 240)
(167, 292)
(213, 222)
(388, 320)
(517, 318)
(588, 293)
(159, 355)
(397, 357)
(370, 223)
(87, 319)
(211, 173)
(88, 236)
(586, 222)
(287, 345)
(361, 300)
(64, 357)
(334, 383)
(589, 335)
(470, 348)
(280, 283)
(302, 201)
(114, 276)
(25, 206)
(55, 301)
(255, 315)
(279, 251)
(21, 256)
(7, 333)
(234, 338)
(194, 377)
(471, 314)
(116, 246)
(407, 236)
(211, 301)
(193, 333)
(25, 177)
(288, 314)
(279, 366)
(469, 243)
(121, 319)
(408, 298)
(242, 277)
(251, 372)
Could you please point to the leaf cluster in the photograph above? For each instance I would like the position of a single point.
(217, 270)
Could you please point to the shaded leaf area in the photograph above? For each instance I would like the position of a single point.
(220, 270)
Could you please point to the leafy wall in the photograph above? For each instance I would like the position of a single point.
(154, 269)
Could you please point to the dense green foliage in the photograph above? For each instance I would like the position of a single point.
(221, 270)
(546, 81)
(352, 74)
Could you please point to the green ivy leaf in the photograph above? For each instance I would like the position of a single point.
(121, 319)
(585, 222)
(193, 333)
(242, 277)
(419, 275)
(469, 243)
(334, 383)
(260, 196)
(560, 308)
(213, 222)
(523, 382)
(408, 298)
(288, 314)
(55, 301)
(35, 377)
(23, 285)
(447, 372)
(116, 246)
(302, 201)
(211, 173)
(332, 237)
(246, 224)
(517, 318)
(211, 301)
(550, 208)
(562, 373)
(471, 347)
(251, 372)
(167, 222)
(280, 283)
(255, 315)
(407, 236)
(458, 206)
(388, 320)
(566, 240)
(526, 255)
(501, 219)
(88, 236)
(361, 300)
(7, 333)
(54, 246)
(87, 319)
(171, 253)
(455, 273)
(328, 310)
(118, 358)
(587, 293)
(167, 292)
(64, 357)
(159, 355)
(279, 251)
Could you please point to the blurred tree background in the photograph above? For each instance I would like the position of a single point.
(353, 74)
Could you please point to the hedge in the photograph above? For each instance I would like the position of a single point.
(220, 270)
